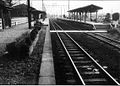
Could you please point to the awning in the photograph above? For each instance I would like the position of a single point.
(89, 8)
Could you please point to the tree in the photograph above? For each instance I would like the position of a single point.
(115, 16)
(8, 17)
(107, 18)
(2, 6)
(9, 2)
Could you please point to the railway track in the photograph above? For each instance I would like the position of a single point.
(84, 68)
(106, 40)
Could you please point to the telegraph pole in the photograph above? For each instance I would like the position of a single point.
(29, 14)
(42, 4)
(68, 8)
(68, 4)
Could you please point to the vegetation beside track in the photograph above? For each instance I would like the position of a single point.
(22, 68)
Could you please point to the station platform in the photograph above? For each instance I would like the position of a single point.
(96, 25)
(47, 75)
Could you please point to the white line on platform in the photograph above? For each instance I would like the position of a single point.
(86, 31)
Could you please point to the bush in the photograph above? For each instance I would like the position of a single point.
(12, 50)
(33, 34)
(38, 25)
(19, 49)
(28, 41)
(22, 49)
(115, 16)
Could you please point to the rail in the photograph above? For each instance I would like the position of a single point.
(87, 55)
(80, 77)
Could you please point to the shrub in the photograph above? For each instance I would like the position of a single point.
(33, 34)
(115, 16)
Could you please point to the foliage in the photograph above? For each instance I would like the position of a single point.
(107, 18)
(115, 16)
(10, 2)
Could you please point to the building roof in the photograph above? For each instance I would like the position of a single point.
(37, 11)
(23, 6)
(89, 8)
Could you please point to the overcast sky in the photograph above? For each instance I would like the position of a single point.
(61, 6)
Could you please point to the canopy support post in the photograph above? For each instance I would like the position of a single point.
(96, 16)
(90, 16)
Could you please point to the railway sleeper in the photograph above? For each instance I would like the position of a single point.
(71, 81)
(86, 66)
(78, 58)
(82, 62)
(89, 73)
(62, 55)
(60, 51)
(93, 74)
(75, 52)
(96, 81)
(73, 49)
(66, 77)
(78, 55)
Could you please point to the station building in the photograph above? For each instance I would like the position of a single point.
(21, 11)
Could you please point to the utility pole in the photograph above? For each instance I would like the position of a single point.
(42, 4)
(68, 8)
(29, 14)
(68, 4)
(61, 11)
(19, 2)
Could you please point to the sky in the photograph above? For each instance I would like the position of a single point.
(58, 7)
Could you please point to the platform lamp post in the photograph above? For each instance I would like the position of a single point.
(29, 14)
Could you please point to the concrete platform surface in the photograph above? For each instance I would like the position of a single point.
(47, 75)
